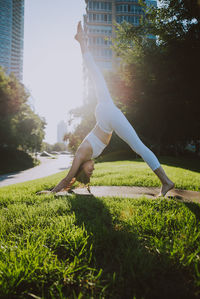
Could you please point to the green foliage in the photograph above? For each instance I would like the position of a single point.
(59, 147)
(87, 247)
(163, 74)
(86, 114)
(29, 129)
(47, 147)
(12, 95)
(53, 147)
(121, 95)
(157, 84)
(19, 125)
(14, 160)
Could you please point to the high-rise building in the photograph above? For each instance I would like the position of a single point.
(99, 23)
(12, 36)
(61, 131)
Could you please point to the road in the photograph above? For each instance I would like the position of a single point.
(47, 167)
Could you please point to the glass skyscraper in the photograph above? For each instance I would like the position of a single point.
(99, 23)
(12, 36)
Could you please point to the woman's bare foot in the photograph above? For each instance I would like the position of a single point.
(167, 184)
(165, 188)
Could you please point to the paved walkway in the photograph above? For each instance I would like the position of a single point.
(47, 167)
(135, 192)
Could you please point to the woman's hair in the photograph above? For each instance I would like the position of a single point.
(82, 177)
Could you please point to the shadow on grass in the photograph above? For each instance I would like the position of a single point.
(194, 208)
(117, 248)
(8, 176)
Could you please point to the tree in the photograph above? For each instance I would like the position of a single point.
(158, 83)
(86, 114)
(47, 147)
(163, 74)
(29, 129)
(19, 125)
(58, 147)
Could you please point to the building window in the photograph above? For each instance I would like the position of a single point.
(100, 5)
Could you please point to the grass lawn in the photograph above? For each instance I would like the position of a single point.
(88, 247)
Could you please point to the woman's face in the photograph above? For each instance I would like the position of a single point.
(88, 167)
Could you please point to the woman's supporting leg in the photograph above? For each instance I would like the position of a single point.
(167, 184)
(126, 132)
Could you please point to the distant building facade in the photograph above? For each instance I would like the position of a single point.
(12, 36)
(61, 131)
(99, 23)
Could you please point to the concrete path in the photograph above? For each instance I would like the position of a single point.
(135, 192)
(47, 167)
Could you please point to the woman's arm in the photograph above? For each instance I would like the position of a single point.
(83, 154)
(64, 183)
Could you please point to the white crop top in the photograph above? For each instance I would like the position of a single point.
(96, 144)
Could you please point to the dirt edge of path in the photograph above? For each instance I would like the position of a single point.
(134, 192)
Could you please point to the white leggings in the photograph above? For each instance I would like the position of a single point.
(110, 118)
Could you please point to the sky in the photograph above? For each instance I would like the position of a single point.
(52, 59)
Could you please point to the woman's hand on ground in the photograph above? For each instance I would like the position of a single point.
(62, 185)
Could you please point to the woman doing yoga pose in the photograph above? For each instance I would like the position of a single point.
(109, 118)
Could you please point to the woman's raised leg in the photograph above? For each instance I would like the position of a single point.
(101, 89)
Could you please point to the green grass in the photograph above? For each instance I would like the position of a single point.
(88, 247)
(137, 173)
